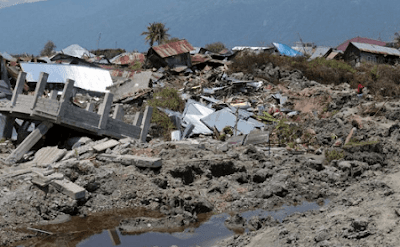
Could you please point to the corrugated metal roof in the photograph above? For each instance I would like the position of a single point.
(173, 48)
(376, 49)
(128, 58)
(77, 51)
(94, 79)
(320, 52)
(343, 46)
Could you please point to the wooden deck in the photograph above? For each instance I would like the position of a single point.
(63, 112)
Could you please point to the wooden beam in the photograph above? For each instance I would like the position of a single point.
(19, 86)
(104, 110)
(148, 112)
(39, 89)
(118, 112)
(29, 142)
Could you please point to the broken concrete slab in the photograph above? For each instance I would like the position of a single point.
(105, 145)
(131, 160)
(48, 155)
(257, 137)
(127, 88)
(69, 188)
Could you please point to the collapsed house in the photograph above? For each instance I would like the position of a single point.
(360, 52)
(175, 55)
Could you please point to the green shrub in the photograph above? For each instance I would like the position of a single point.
(334, 155)
(215, 47)
(170, 99)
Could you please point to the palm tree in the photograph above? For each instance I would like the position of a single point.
(156, 32)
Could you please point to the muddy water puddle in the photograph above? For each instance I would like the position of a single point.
(102, 229)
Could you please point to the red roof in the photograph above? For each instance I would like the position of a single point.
(173, 48)
(344, 45)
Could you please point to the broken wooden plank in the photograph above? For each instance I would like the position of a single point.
(131, 160)
(29, 142)
(146, 123)
(69, 188)
(114, 236)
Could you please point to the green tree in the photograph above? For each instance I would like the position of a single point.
(215, 47)
(48, 49)
(156, 32)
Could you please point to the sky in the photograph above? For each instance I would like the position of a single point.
(26, 25)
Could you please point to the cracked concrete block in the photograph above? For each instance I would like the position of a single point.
(69, 188)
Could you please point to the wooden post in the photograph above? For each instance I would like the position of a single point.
(137, 121)
(29, 142)
(19, 86)
(53, 94)
(118, 112)
(104, 110)
(39, 89)
(90, 107)
(146, 123)
(65, 97)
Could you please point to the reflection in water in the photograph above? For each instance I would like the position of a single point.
(85, 232)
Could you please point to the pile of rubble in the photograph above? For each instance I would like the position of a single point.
(241, 142)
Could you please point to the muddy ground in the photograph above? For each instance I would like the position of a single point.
(203, 175)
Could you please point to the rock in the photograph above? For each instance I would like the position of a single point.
(235, 222)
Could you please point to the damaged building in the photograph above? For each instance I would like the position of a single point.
(174, 55)
(360, 52)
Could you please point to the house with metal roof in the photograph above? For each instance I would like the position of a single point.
(343, 46)
(360, 52)
(174, 54)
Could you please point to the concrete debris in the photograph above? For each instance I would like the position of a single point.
(105, 145)
(69, 188)
(127, 160)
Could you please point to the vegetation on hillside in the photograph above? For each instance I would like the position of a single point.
(381, 79)
(48, 49)
(215, 47)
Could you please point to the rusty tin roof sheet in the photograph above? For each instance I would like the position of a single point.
(343, 46)
(173, 48)
(376, 49)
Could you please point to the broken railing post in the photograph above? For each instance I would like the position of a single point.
(65, 97)
(19, 86)
(137, 121)
(29, 142)
(90, 107)
(104, 110)
(118, 112)
(145, 123)
(53, 94)
(39, 89)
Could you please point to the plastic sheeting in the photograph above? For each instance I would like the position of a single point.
(93, 79)
(286, 50)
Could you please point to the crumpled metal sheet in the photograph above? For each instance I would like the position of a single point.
(225, 117)
(192, 114)
(93, 79)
